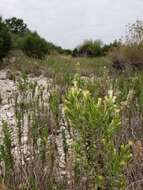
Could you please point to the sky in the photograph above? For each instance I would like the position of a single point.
(69, 22)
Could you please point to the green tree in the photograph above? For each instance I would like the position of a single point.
(75, 52)
(16, 25)
(91, 48)
(34, 46)
(111, 46)
(5, 40)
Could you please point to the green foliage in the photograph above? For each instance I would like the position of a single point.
(89, 48)
(5, 40)
(6, 148)
(75, 52)
(54, 104)
(16, 25)
(111, 46)
(34, 46)
(89, 147)
(96, 123)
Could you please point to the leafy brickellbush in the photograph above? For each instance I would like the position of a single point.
(96, 122)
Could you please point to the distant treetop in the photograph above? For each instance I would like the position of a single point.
(16, 25)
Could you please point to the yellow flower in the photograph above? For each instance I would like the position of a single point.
(110, 93)
(122, 146)
(103, 141)
(114, 150)
(75, 83)
(122, 163)
(77, 64)
(99, 101)
(86, 93)
(130, 142)
(100, 177)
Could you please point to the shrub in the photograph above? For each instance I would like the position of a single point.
(132, 50)
(5, 40)
(119, 60)
(109, 47)
(95, 123)
(135, 33)
(89, 48)
(134, 54)
(16, 41)
(34, 46)
(75, 52)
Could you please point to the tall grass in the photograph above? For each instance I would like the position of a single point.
(75, 132)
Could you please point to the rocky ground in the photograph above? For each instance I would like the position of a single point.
(8, 89)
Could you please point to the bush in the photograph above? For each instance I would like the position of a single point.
(131, 51)
(75, 52)
(34, 46)
(134, 54)
(109, 47)
(89, 48)
(128, 55)
(5, 40)
(95, 123)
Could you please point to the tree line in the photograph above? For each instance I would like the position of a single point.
(15, 34)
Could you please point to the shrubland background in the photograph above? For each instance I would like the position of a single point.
(84, 128)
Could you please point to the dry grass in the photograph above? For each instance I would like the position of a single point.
(56, 64)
